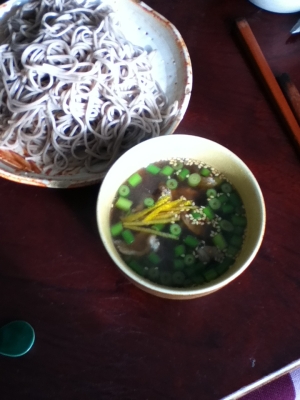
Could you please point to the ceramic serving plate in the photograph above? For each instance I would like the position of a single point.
(171, 68)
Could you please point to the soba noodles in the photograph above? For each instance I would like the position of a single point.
(74, 93)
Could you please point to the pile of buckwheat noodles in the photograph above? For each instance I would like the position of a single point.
(74, 93)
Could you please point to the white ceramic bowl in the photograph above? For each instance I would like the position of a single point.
(171, 68)
(278, 6)
(192, 147)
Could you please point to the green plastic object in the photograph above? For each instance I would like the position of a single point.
(16, 338)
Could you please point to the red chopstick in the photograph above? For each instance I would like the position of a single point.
(291, 93)
(269, 79)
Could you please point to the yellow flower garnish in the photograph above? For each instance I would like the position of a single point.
(165, 211)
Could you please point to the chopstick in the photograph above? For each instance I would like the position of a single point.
(269, 79)
(291, 93)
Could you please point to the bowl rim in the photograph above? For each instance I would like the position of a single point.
(180, 293)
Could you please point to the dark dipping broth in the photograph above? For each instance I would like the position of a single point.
(178, 223)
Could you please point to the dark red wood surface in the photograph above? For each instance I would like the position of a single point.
(100, 337)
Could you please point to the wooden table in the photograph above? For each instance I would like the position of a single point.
(97, 335)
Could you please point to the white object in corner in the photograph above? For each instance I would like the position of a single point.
(279, 6)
